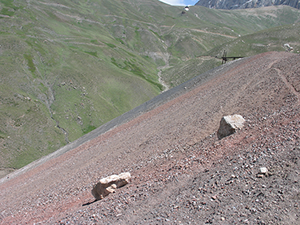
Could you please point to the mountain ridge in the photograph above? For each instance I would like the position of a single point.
(245, 4)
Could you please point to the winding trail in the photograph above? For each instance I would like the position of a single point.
(208, 32)
(166, 87)
(289, 85)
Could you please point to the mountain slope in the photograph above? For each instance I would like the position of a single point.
(274, 39)
(68, 67)
(181, 172)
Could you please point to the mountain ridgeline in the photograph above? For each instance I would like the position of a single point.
(244, 4)
(68, 67)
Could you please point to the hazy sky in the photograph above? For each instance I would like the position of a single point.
(180, 2)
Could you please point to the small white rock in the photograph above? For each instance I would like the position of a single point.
(263, 170)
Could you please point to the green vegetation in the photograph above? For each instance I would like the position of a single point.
(92, 53)
(272, 39)
(3, 135)
(30, 63)
(68, 68)
(110, 45)
(8, 7)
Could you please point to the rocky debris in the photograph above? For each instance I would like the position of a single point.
(181, 180)
(109, 185)
(229, 125)
(214, 181)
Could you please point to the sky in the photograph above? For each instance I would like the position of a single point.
(180, 2)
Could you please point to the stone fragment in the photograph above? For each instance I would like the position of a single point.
(109, 185)
(229, 125)
(263, 170)
(259, 175)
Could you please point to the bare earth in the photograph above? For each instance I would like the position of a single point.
(182, 174)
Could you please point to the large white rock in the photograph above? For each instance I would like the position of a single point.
(229, 125)
(109, 184)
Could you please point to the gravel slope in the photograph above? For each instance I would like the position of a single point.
(181, 172)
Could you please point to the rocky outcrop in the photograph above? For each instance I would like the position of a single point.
(244, 4)
(109, 184)
(229, 125)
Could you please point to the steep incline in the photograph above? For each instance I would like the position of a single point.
(68, 67)
(167, 149)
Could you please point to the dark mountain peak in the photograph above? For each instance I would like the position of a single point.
(244, 4)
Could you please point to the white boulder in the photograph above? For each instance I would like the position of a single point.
(109, 184)
(229, 125)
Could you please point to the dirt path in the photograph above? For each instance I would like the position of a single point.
(166, 87)
(208, 32)
(289, 85)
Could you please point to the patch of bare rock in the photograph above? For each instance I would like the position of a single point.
(250, 177)
(181, 171)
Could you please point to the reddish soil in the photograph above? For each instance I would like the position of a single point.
(182, 174)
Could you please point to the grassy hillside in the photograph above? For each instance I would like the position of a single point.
(68, 67)
(250, 32)
(273, 39)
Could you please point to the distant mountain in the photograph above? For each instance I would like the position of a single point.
(244, 4)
